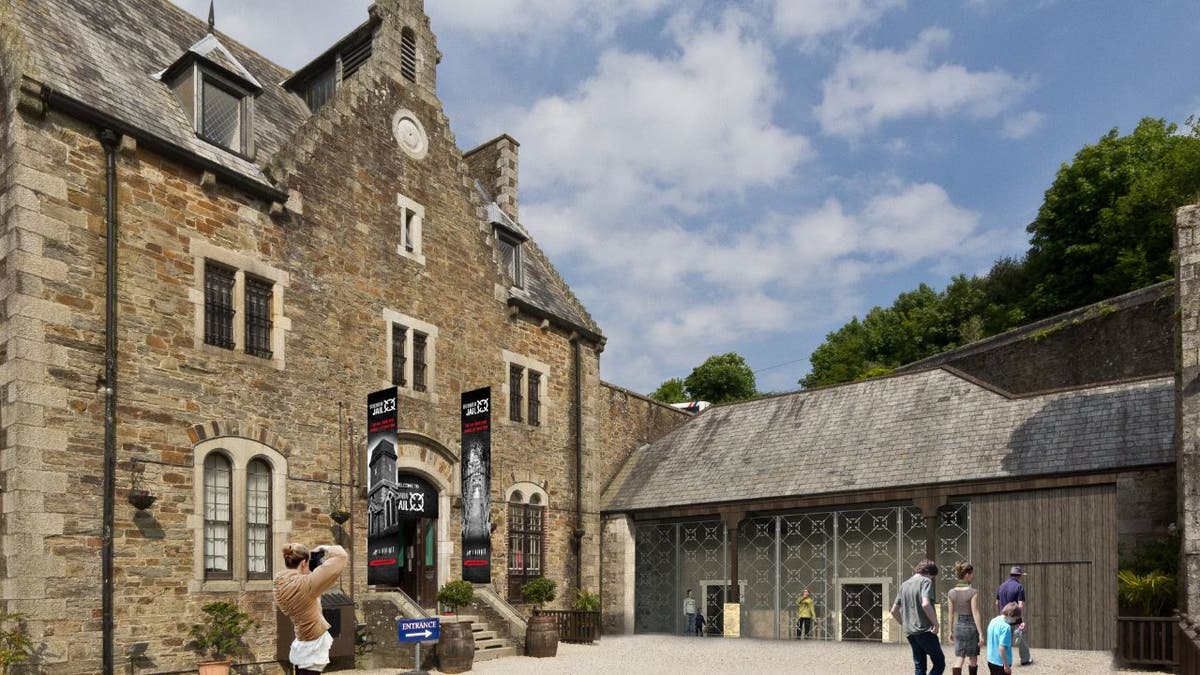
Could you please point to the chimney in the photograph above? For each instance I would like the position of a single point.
(494, 165)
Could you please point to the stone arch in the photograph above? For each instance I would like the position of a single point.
(428, 458)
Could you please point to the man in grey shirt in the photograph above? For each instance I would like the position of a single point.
(914, 611)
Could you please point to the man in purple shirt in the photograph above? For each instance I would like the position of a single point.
(1013, 591)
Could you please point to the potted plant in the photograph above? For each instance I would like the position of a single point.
(219, 636)
(541, 637)
(587, 601)
(456, 644)
(14, 641)
(141, 499)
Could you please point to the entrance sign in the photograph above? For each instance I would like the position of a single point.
(418, 630)
(414, 498)
(384, 551)
(477, 486)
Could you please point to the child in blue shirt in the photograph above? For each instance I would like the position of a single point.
(999, 639)
(699, 624)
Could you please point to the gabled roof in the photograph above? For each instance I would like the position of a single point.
(916, 429)
(105, 55)
(210, 48)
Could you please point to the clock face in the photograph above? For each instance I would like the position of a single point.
(410, 134)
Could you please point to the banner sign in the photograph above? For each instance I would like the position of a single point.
(477, 486)
(415, 498)
(418, 630)
(383, 545)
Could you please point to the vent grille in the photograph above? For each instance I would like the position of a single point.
(408, 55)
(354, 57)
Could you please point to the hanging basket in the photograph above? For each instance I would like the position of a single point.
(339, 516)
(141, 499)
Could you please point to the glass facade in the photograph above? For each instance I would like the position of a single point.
(852, 561)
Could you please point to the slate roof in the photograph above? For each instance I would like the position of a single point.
(106, 55)
(907, 430)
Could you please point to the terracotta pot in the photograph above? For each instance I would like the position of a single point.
(456, 647)
(541, 636)
(215, 667)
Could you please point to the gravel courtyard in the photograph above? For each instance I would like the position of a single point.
(651, 654)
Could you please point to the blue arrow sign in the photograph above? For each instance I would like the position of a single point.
(418, 630)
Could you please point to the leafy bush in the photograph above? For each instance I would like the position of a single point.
(15, 646)
(220, 634)
(1160, 555)
(587, 601)
(455, 594)
(1152, 593)
(539, 591)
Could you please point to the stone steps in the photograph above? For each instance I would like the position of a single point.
(488, 644)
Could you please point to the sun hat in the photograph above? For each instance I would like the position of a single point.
(1017, 571)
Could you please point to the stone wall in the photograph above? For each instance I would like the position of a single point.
(1127, 337)
(334, 256)
(1146, 506)
(1187, 421)
(630, 421)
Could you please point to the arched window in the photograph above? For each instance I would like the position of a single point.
(258, 520)
(526, 538)
(408, 54)
(218, 516)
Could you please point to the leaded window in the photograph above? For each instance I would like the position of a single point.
(535, 398)
(515, 373)
(258, 317)
(419, 342)
(218, 305)
(218, 515)
(526, 541)
(408, 54)
(399, 338)
(258, 520)
(321, 88)
(510, 257)
(222, 121)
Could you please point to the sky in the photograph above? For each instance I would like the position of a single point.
(748, 176)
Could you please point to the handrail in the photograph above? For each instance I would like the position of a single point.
(1147, 640)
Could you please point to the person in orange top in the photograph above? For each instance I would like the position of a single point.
(298, 592)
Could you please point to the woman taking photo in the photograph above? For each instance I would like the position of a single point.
(962, 606)
(298, 592)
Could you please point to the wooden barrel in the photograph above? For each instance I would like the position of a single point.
(541, 636)
(456, 647)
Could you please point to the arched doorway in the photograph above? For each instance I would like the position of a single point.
(403, 511)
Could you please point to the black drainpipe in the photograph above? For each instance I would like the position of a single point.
(109, 140)
(578, 533)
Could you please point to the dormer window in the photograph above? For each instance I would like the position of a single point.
(221, 121)
(216, 93)
(509, 249)
(318, 81)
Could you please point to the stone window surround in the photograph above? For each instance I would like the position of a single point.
(418, 219)
(239, 451)
(546, 405)
(526, 488)
(391, 318)
(242, 265)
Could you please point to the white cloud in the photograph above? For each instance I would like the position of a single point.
(869, 87)
(809, 20)
(665, 130)
(523, 18)
(1023, 125)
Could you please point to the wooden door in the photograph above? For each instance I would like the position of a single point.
(1058, 603)
(426, 562)
(862, 612)
(408, 560)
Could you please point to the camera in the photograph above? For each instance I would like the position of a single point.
(315, 558)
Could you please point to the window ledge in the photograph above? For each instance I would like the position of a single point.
(260, 585)
(413, 256)
(237, 356)
(221, 586)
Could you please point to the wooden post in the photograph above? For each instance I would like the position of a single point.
(929, 505)
(733, 524)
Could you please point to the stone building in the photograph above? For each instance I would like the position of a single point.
(284, 243)
(1051, 446)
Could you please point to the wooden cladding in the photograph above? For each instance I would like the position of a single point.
(1066, 539)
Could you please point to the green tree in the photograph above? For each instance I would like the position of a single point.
(721, 379)
(670, 391)
(1105, 226)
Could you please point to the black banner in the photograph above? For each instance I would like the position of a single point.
(383, 544)
(477, 486)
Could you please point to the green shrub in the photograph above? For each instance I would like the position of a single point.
(1152, 593)
(220, 634)
(1160, 555)
(587, 601)
(15, 646)
(455, 594)
(539, 591)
